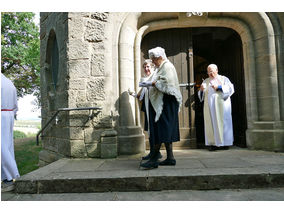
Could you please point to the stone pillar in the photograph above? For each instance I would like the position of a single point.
(131, 138)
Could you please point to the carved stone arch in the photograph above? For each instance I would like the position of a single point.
(260, 66)
(240, 27)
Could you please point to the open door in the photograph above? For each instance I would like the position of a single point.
(191, 50)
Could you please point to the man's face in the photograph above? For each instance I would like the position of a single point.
(212, 73)
(147, 69)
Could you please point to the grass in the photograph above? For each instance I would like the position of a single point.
(26, 154)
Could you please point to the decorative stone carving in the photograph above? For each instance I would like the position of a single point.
(94, 31)
(100, 16)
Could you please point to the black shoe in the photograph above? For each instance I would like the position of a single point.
(168, 162)
(223, 147)
(212, 148)
(147, 157)
(150, 164)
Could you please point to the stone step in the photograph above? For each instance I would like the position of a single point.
(195, 170)
(81, 184)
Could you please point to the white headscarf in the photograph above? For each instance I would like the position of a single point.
(157, 52)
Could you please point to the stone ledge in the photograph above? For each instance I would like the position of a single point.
(153, 183)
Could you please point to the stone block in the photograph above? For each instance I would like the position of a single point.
(78, 149)
(77, 84)
(108, 150)
(260, 139)
(108, 140)
(94, 31)
(81, 96)
(50, 144)
(80, 120)
(93, 150)
(75, 26)
(79, 69)
(97, 65)
(76, 133)
(133, 144)
(92, 135)
(96, 89)
(102, 121)
(64, 147)
(48, 156)
(78, 49)
(98, 48)
(109, 133)
(100, 16)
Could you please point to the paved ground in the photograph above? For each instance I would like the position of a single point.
(271, 194)
(237, 164)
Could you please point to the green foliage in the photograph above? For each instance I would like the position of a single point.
(19, 134)
(20, 51)
(27, 156)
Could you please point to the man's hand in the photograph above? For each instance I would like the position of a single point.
(146, 84)
(215, 86)
(132, 93)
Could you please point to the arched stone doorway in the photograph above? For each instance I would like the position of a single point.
(191, 50)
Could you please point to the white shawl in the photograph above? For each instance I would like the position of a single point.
(166, 82)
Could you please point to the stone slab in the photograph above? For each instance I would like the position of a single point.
(203, 170)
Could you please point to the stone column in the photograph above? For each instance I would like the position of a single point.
(131, 138)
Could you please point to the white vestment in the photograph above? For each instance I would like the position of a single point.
(218, 125)
(9, 168)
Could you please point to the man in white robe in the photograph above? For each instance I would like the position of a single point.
(9, 107)
(216, 91)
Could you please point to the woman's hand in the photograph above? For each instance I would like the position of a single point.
(146, 84)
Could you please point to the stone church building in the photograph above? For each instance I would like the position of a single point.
(90, 59)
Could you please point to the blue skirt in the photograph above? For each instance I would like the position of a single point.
(166, 129)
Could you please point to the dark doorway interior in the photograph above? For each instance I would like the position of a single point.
(218, 45)
(221, 46)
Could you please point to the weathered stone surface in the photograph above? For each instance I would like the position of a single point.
(75, 26)
(108, 140)
(78, 49)
(94, 31)
(109, 133)
(97, 65)
(108, 150)
(98, 48)
(50, 144)
(100, 16)
(48, 156)
(93, 150)
(64, 146)
(77, 84)
(132, 144)
(102, 121)
(78, 149)
(96, 89)
(79, 69)
(81, 96)
(92, 135)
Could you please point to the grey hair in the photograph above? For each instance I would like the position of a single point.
(213, 66)
(148, 61)
(157, 52)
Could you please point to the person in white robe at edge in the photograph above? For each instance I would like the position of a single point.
(216, 91)
(9, 108)
(143, 97)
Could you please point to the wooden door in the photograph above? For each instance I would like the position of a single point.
(178, 46)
